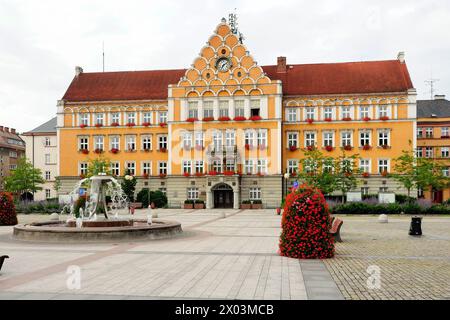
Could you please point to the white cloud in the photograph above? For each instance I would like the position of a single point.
(42, 41)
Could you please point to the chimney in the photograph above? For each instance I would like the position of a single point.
(401, 57)
(6, 129)
(78, 71)
(281, 64)
(13, 131)
(439, 97)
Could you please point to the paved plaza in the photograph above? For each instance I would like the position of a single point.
(234, 258)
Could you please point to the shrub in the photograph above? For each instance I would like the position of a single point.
(8, 216)
(412, 208)
(157, 197)
(199, 201)
(246, 202)
(305, 226)
(401, 198)
(257, 201)
(438, 209)
(189, 201)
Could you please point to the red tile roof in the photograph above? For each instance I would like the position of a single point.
(300, 79)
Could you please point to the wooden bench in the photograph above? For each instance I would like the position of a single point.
(2, 259)
(336, 229)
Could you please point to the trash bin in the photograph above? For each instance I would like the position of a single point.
(416, 226)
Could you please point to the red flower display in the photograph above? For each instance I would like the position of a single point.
(367, 119)
(98, 151)
(145, 175)
(186, 174)
(365, 174)
(98, 125)
(228, 173)
(131, 124)
(162, 175)
(293, 174)
(255, 118)
(248, 147)
(310, 148)
(83, 126)
(162, 150)
(310, 121)
(208, 119)
(305, 225)
(384, 118)
(212, 173)
(191, 119)
(199, 174)
(347, 119)
(366, 147)
(8, 216)
(163, 124)
(240, 118)
(328, 119)
(84, 151)
(114, 150)
(224, 118)
(348, 147)
(329, 148)
(146, 124)
(114, 124)
(293, 148)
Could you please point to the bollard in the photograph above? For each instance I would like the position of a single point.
(416, 226)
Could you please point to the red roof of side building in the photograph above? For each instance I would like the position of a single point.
(300, 79)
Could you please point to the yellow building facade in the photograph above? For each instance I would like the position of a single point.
(226, 130)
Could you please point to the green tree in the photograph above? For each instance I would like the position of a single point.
(317, 171)
(97, 166)
(345, 170)
(25, 178)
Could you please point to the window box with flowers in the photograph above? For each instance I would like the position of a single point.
(162, 175)
(163, 124)
(384, 118)
(228, 173)
(98, 151)
(309, 121)
(98, 125)
(328, 119)
(131, 150)
(130, 124)
(366, 147)
(385, 146)
(365, 175)
(84, 151)
(145, 175)
(329, 148)
(208, 119)
(347, 147)
(224, 118)
(255, 118)
(146, 149)
(191, 119)
(163, 150)
(146, 124)
(248, 147)
(82, 176)
(367, 119)
(384, 173)
(293, 148)
(246, 204)
(260, 174)
(199, 174)
(293, 174)
(310, 148)
(199, 204)
(186, 174)
(83, 125)
(188, 204)
(114, 124)
(114, 150)
(445, 137)
(240, 118)
(347, 119)
(212, 173)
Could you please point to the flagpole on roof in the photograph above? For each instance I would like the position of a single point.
(103, 56)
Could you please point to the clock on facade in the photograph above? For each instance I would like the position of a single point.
(223, 64)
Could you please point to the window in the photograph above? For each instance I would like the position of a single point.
(364, 165)
(230, 138)
(147, 117)
(131, 117)
(162, 142)
(248, 166)
(187, 166)
(130, 167)
(364, 138)
(187, 140)
(115, 117)
(383, 189)
(383, 138)
(365, 191)
(239, 110)
(419, 153)
(383, 111)
(328, 138)
(254, 107)
(199, 166)
(115, 168)
(48, 142)
(444, 132)
(310, 139)
(99, 118)
(48, 175)
(82, 168)
(192, 193)
(147, 142)
(383, 165)
(83, 143)
(292, 166)
(428, 152)
(131, 143)
(99, 142)
(429, 132)
(445, 172)
(249, 137)
(346, 112)
(262, 137)
(346, 138)
(261, 166)
(115, 142)
(13, 154)
(199, 139)
(255, 193)
(327, 113)
(217, 140)
(229, 165)
(193, 109)
(291, 114)
(47, 158)
(162, 117)
(208, 109)
(162, 167)
(12, 166)
(419, 132)
(364, 112)
(292, 138)
(83, 119)
(445, 152)
(223, 108)
(309, 112)
(217, 165)
(48, 193)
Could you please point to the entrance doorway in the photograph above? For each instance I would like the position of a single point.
(223, 196)
(437, 196)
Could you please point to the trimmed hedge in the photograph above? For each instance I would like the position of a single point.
(392, 208)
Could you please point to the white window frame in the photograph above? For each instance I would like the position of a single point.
(130, 167)
(365, 165)
(114, 142)
(292, 165)
(146, 167)
(328, 138)
(310, 139)
(255, 193)
(346, 138)
(367, 137)
(130, 141)
(99, 143)
(292, 139)
(387, 165)
(115, 168)
(146, 141)
(131, 117)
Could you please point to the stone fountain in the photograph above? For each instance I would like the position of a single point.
(87, 223)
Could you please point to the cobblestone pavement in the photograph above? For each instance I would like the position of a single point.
(410, 267)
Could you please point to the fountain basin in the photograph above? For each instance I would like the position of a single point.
(94, 231)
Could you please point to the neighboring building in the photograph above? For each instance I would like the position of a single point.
(226, 129)
(433, 138)
(42, 152)
(12, 147)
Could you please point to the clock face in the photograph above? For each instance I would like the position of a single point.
(223, 64)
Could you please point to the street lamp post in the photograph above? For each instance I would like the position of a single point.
(286, 178)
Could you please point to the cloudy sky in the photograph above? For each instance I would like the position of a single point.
(41, 42)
